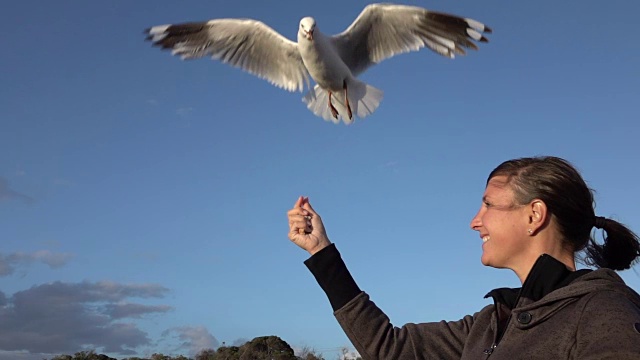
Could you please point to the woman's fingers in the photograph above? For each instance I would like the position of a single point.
(307, 225)
(299, 211)
(300, 222)
(299, 219)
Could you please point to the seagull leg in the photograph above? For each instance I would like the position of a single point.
(346, 99)
(334, 111)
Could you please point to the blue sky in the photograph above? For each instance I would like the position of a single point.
(143, 198)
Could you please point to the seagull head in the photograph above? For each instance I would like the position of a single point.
(307, 27)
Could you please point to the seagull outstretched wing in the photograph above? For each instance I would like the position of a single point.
(243, 43)
(384, 30)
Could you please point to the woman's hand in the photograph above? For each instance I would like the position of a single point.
(305, 227)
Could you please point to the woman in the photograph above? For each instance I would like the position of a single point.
(536, 215)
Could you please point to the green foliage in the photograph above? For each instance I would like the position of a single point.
(227, 353)
(267, 348)
(206, 354)
(260, 348)
(62, 357)
(83, 355)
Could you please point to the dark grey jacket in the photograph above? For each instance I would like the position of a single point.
(557, 314)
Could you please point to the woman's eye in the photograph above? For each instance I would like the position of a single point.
(487, 204)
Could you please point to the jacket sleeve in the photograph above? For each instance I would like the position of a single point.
(609, 328)
(369, 328)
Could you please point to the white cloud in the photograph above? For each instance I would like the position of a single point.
(193, 338)
(9, 262)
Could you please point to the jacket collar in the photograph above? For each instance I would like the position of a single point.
(546, 275)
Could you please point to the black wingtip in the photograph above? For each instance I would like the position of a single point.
(488, 30)
(147, 32)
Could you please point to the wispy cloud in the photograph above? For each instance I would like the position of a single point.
(62, 182)
(10, 262)
(147, 256)
(6, 193)
(63, 317)
(184, 111)
(239, 342)
(193, 338)
(22, 355)
(390, 166)
(137, 311)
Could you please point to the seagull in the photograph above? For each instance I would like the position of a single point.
(334, 62)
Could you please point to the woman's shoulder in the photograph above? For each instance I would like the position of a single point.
(604, 287)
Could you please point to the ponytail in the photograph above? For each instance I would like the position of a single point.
(620, 248)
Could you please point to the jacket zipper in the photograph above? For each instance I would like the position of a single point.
(490, 350)
(499, 336)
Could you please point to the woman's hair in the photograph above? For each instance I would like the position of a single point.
(561, 187)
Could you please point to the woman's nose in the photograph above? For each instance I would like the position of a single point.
(476, 222)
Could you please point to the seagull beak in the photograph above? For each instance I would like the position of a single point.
(310, 35)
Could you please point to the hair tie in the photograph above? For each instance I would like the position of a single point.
(599, 222)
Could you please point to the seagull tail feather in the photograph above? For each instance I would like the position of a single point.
(317, 100)
(364, 99)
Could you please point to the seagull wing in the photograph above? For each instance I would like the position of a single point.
(384, 30)
(244, 43)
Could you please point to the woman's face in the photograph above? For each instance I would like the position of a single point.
(502, 225)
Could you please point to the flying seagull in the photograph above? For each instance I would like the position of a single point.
(332, 61)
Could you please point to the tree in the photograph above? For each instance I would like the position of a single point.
(206, 354)
(267, 348)
(308, 353)
(260, 348)
(227, 353)
(348, 355)
(160, 356)
(83, 355)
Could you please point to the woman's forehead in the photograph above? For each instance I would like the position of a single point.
(499, 181)
(498, 186)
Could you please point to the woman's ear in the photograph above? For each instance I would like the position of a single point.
(537, 215)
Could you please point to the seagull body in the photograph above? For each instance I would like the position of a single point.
(321, 59)
(333, 62)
